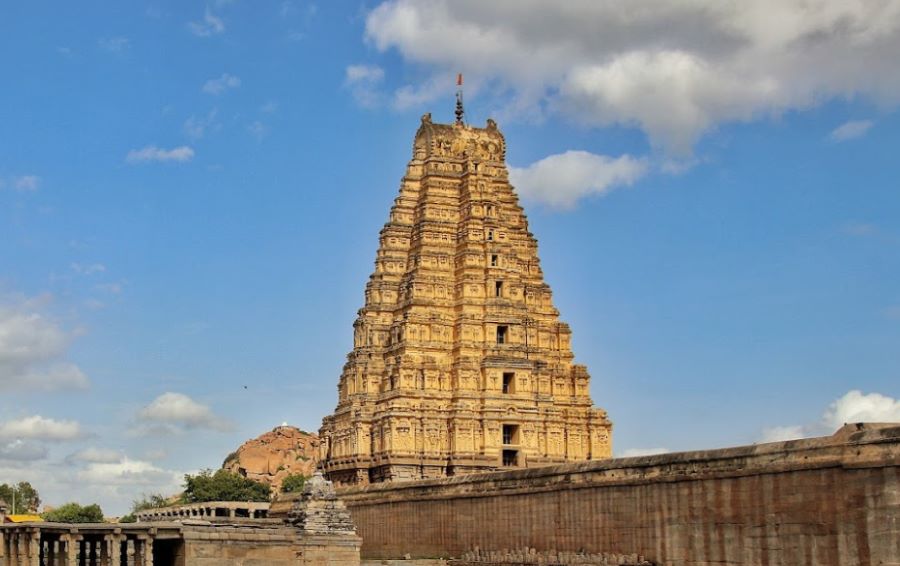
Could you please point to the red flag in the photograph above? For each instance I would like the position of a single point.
(459, 79)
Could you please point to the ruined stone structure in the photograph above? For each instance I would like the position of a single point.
(316, 532)
(460, 361)
(831, 501)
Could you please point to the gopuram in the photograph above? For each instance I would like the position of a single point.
(460, 362)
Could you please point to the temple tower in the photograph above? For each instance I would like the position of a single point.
(460, 362)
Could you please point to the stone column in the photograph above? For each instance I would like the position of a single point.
(146, 553)
(72, 541)
(21, 549)
(34, 548)
(112, 546)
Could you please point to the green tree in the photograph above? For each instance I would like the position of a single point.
(152, 501)
(293, 483)
(24, 496)
(75, 513)
(223, 486)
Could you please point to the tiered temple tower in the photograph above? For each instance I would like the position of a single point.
(460, 362)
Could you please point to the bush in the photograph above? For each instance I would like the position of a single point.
(223, 486)
(75, 513)
(293, 483)
(152, 501)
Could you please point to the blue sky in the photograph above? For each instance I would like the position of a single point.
(190, 196)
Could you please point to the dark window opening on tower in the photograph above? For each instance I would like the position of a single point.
(494, 259)
(510, 458)
(502, 331)
(498, 289)
(490, 236)
(509, 383)
(510, 435)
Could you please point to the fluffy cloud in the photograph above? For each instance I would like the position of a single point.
(560, 180)
(853, 407)
(171, 412)
(674, 69)
(32, 347)
(114, 44)
(94, 455)
(195, 128)
(22, 451)
(152, 153)
(130, 473)
(632, 452)
(850, 130)
(364, 82)
(22, 183)
(88, 269)
(221, 84)
(37, 427)
(209, 25)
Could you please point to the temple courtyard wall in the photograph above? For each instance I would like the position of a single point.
(824, 501)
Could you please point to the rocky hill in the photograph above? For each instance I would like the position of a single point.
(269, 458)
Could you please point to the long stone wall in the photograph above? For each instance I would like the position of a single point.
(825, 501)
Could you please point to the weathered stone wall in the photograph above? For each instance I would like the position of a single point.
(826, 501)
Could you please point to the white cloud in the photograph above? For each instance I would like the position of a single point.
(22, 451)
(781, 433)
(258, 130)
(856, 406)
(850, 130)
(37, 427)
(114, 44)
(96, 455)
(178, 410)
(152, 153)
(859, 229)
(221, 84)
(195, 128)
(126, 476)
(677, 70)
(210, 25)
(560, 180)
(22, 183)
(632, 452)
(88, 269)
(32, 348)
(853, 407)
(363, 82)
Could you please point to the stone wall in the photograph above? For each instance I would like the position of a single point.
(832, 501)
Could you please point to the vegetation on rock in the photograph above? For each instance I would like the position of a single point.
(293, 483)
(222, 485)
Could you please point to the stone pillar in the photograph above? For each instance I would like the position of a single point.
(112, 545)
(146, 554)
(34, 548)
(21, 549)
(72, 543)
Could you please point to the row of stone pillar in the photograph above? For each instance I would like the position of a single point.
(24, 548)
(201, 512)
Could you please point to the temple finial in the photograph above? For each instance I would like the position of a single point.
(459, 100)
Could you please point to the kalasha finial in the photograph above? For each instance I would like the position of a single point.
(459, 100)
